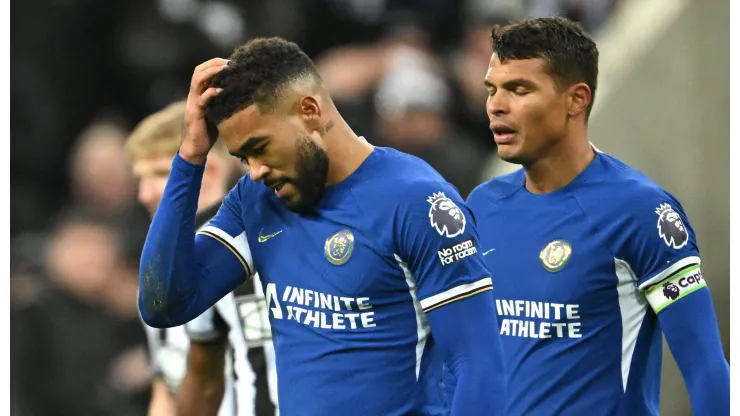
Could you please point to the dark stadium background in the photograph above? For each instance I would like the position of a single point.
(84, 72)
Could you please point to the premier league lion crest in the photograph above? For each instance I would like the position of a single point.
(671, 291)
(670, 227)
(445, 216)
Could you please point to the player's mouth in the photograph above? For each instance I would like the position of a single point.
(502, 133)
(280, 187)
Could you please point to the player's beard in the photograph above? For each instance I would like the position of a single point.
(312, 168)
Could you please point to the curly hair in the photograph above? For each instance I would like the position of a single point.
(570, 53)
(257, 73)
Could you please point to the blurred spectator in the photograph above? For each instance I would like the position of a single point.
(101, 178)
(395, 93)
(411, 102)
(78, 347)
(591, 13)
(352, 72)
(467, 66)
(26, 269)
(330, 24)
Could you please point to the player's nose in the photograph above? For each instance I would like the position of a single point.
(257, 170)
(497, 104)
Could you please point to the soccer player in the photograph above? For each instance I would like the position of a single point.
(222, 361)
(593, 261)
(368, 257)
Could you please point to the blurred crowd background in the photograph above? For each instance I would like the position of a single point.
(404, 73)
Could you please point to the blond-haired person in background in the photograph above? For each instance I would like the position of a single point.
(222, 361)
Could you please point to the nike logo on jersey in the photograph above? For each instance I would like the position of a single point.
(485, 253)
(263, 238)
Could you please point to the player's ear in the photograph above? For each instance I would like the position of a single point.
(579, 99)
(310, 112)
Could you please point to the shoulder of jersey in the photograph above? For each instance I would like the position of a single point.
(405, 171)
(498, 188)
(618, 176)
(620, 190)
(407, 181)
(411, 166)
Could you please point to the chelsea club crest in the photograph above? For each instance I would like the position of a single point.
(338, 247)
(555, 255)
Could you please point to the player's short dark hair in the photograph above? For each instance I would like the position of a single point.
(256, 74)
(570, 52)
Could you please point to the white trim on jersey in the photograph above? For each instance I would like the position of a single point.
(675, 267)
(238, 245)
(456, 293)
(203, 328)
(632, 308)
(422, 324)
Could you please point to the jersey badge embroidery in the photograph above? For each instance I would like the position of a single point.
(338, 248)
(555, 255)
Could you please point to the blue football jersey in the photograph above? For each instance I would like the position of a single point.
(348, 287)
(581, 274)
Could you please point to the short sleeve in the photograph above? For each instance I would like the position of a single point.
(207, 327)
(438, 245)
(661, 249)
(227, 227)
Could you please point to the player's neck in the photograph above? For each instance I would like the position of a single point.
(561, 165)
(346, 151)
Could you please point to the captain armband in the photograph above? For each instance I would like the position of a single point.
(670, 290)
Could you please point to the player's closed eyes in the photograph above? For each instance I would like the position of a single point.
(254, 153)
(519, 91)
(259, 151)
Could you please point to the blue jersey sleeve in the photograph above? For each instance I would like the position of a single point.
(691, 330)
(181, 275)
(438, 245)
(661, 249)
(439, 251)
(659, 245)
(228, 229)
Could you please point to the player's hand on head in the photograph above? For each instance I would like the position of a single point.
(200, 135)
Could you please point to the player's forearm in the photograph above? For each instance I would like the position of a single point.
(162, 402)
(709, 387)
(202, 389)
(169, 272)
(467, 334)
(690, 327)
